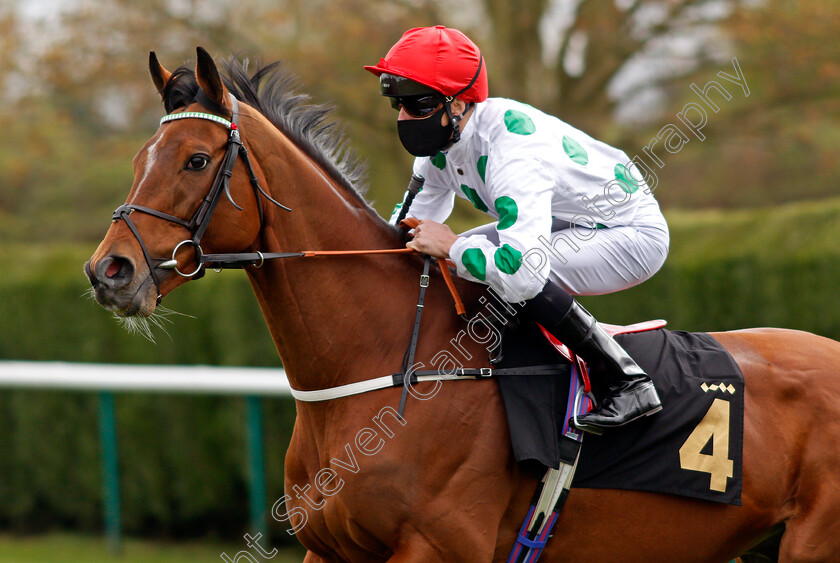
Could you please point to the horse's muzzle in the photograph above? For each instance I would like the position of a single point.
(116, 287)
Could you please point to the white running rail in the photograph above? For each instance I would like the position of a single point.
(152, 378)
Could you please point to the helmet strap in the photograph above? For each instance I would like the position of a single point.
(454, 120)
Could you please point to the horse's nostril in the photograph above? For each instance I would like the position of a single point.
(114, 271)
(91, 277)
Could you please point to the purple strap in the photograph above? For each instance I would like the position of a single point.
(517, 546)
(535, 547)
(531, 543)
(543, 537)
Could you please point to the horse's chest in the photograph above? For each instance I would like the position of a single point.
(330, 489)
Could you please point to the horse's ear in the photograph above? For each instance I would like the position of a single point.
(160, 76)
(208, 78)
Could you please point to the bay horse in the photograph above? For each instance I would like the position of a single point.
(440, 484)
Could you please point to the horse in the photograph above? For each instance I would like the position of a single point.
(440, 483)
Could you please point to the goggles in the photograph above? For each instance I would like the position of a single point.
(418, 106)
(417, 99)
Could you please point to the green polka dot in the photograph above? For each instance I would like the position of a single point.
(472, 195)
(475, 263)
(626, 180)
(508, 212)
(574, 151)
(507, 259)
(481, 165)
(439, 160)
(518, 123)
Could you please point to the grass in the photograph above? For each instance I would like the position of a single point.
(65, 548)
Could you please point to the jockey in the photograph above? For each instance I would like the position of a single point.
(571, 219)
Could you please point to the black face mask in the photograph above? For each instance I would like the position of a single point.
(425, 137)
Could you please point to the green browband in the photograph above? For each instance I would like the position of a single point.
(195, 114)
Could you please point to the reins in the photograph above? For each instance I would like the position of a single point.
(257, 259)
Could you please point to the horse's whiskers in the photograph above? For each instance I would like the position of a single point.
(163, 314)
(159, 322)
(143, 325)
(137, 325)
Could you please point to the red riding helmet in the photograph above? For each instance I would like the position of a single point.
(438, 57)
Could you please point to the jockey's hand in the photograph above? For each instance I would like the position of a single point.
(434, 239)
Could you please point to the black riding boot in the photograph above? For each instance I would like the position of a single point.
(630, 392)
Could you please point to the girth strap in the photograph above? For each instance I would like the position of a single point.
(552, 492)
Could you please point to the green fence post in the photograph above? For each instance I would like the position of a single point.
(256, 460)
(110, 468)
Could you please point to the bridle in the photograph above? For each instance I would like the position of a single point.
(200, 220)
(198, 223)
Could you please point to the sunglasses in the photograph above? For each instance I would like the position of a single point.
(417, 106)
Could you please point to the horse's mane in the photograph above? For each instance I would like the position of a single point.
(273, 92)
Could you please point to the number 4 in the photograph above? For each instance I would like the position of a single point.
(715, 425)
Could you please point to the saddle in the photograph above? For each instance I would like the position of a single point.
(691, 448)
(693, 374)
(555, 485)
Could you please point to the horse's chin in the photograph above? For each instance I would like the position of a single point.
(138, 300)
(143, 310)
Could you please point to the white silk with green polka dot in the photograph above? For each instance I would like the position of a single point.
(525, 168)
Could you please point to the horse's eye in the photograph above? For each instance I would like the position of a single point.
(197, 162)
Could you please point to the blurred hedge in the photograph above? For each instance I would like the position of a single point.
(183, 462)
(183, 458)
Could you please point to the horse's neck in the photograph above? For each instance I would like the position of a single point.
(329, 316)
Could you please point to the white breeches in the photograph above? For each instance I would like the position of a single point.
(597, 261)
